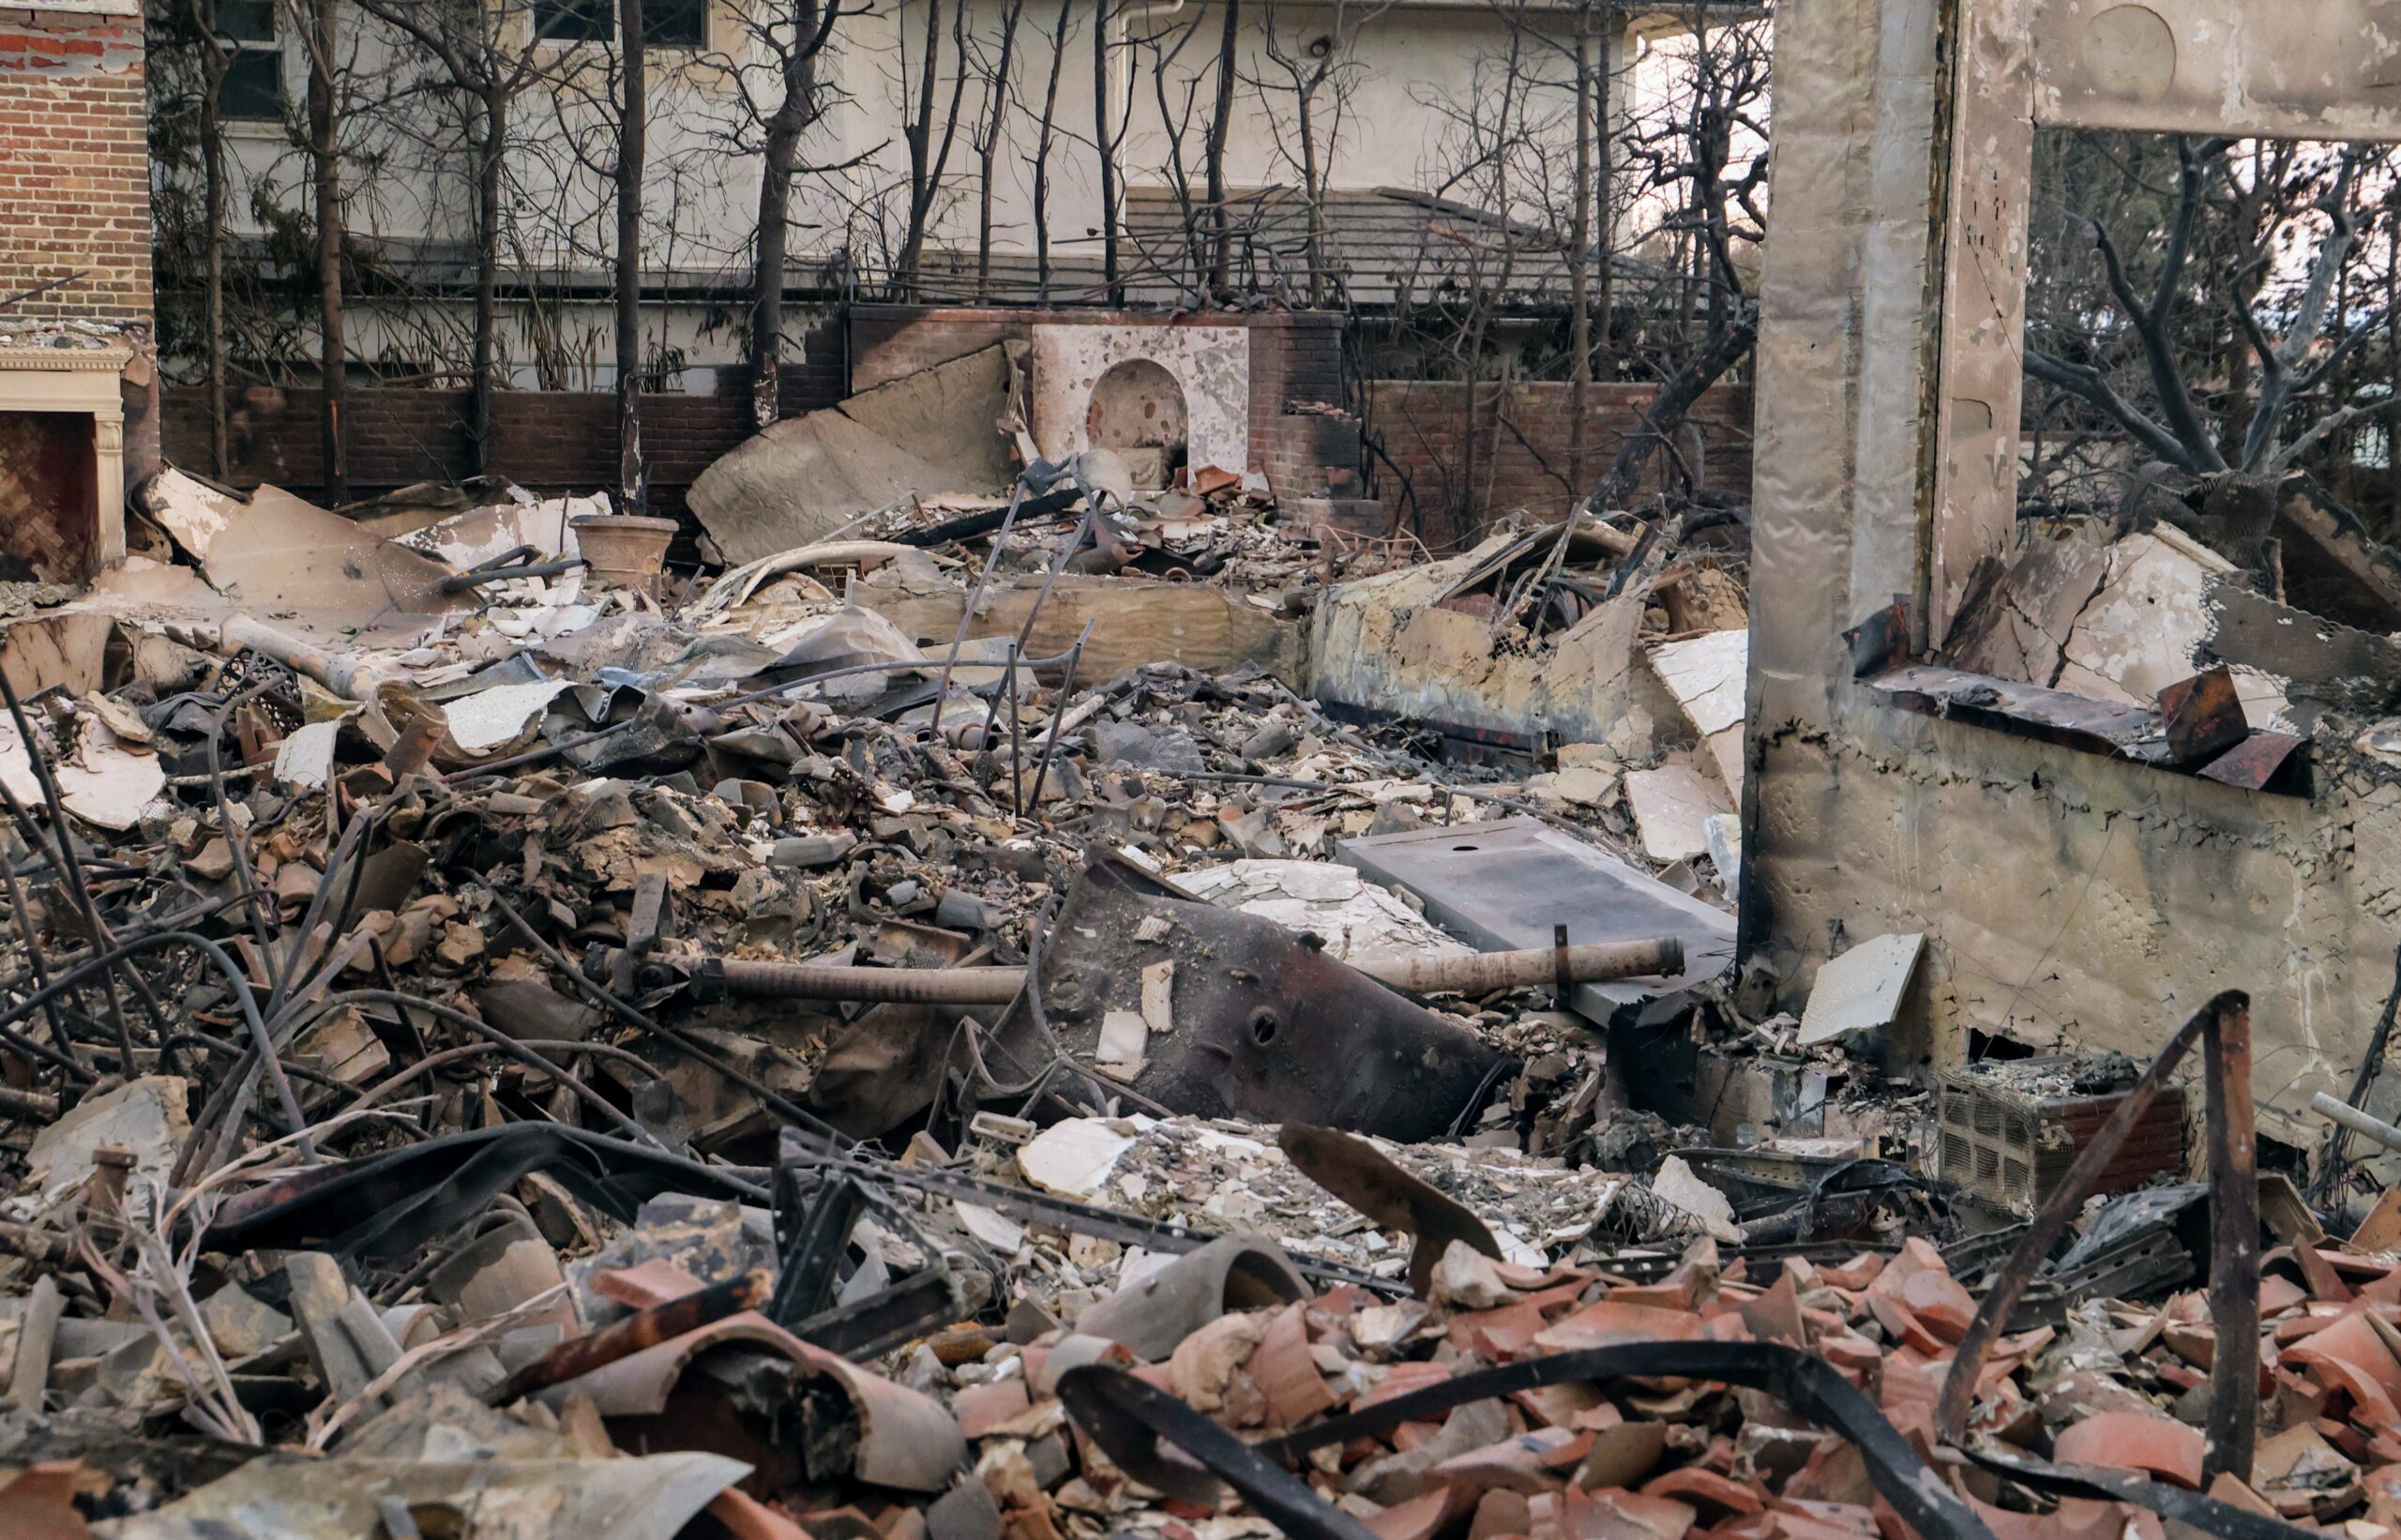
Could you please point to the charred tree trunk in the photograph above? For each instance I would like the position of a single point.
(919, 134)
(324, 152)
(212, 157)
(1221, 228)
(633, 489)
(791, 118)
(1604, 198)
(988, 153)
(1305, 103)
(1674, 400)
(767, 274)
(1042, 155)
(486, 361)
(2392, 361)
(1579, 236)
(927, 159)
(1106, 147)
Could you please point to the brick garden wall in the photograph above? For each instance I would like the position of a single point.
(550, 441)
(1521, 440)
(74, 165)
(567, 441)
(556, 441)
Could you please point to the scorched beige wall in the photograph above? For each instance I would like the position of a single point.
(2066, 896)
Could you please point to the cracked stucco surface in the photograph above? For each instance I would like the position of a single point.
(1212, 364)
(2072, 899)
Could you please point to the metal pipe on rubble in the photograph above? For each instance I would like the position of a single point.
(1592, 962)
(2356, 1121)
(347, 675)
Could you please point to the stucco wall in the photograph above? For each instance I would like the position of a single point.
(2066, 896)
(2073, 899)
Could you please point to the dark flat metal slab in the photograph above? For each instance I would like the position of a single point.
(1503, 885)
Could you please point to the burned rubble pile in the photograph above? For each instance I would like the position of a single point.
(498, 1045)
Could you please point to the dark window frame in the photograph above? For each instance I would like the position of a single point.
(246, 30)
(666, 23)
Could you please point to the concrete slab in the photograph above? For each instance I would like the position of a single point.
(1504, 885)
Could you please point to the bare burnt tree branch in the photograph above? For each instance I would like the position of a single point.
(2244, 311)
(1730, 78)
(488, 54)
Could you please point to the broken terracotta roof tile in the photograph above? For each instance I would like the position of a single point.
(2129, 1442)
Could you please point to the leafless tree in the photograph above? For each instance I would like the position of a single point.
(1046, 138)
(930, 138)
(486, 53)
(1318, 74)
(792, 38)
(1221, 123)
(194, 31)
(1175, 93)
(998, 70)
(1709, 155)
(1591, 293)
(317, 22)
(633, 115)
(2276, 232)
(1108, 137)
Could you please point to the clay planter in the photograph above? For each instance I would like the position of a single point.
(624, 550)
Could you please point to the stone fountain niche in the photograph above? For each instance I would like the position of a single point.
(1138, 410)
(1164, 397)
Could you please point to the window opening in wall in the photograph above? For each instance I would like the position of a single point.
(665, 23)
(252, 90)
(2211, 346)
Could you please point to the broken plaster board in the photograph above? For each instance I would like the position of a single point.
(1706, 674)
(2144, 629)
(1212, 364)
(305, 759)
(1861, 991)
(489, 719)
(2018, 627)
(1382, 643)
(1358, 921)
(801, 480)
(950, 414)
(1672, 807)
(1074, 1158)
(100, 779)
(146, 1116)
(482, 534)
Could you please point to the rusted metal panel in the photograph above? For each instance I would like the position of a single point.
(2264, 762)
(2203, 715)
(1265, 1025)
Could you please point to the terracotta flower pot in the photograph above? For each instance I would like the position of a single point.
(624, 550)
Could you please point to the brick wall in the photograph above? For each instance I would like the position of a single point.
(556, 441)
(1520, 445)
(550, 440)
(74, 165)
